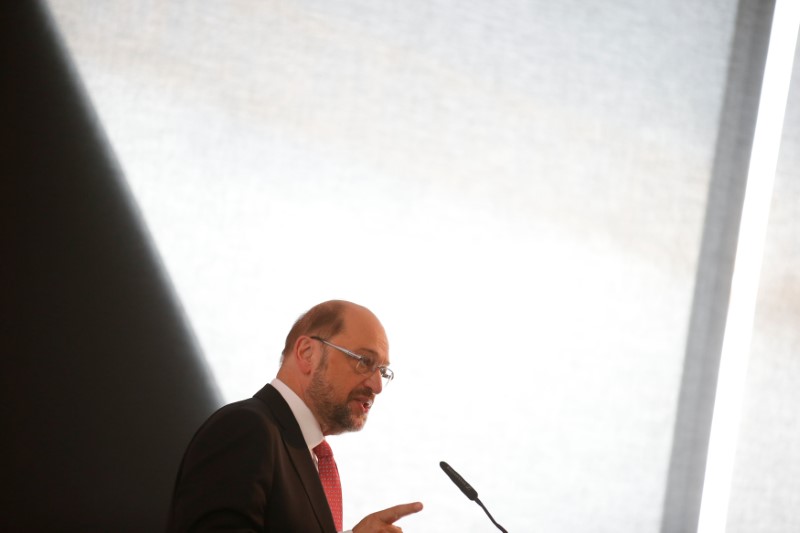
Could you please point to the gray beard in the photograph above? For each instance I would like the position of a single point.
(337, 417)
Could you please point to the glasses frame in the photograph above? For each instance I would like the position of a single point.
(362, 367)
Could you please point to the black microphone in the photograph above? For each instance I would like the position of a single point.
(468, 491)
(460, 482)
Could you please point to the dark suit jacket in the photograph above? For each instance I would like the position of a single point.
(249, 469)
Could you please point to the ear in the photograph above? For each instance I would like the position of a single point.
(305, 351)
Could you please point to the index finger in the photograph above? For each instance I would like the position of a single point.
(393, 514)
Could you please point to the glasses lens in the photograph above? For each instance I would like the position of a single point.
(365, 365)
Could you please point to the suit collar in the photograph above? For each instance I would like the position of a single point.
(299, 454)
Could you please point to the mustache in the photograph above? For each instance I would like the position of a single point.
(362, 393)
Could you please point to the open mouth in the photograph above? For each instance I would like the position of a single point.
(363, 398)
(365, 404)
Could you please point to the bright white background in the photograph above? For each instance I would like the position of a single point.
(517, 189)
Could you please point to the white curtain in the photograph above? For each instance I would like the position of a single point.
(518, 189)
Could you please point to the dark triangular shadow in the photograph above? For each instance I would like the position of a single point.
(101, 382)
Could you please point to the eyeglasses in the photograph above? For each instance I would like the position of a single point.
(365, 364)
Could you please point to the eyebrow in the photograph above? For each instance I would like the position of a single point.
(368, 352)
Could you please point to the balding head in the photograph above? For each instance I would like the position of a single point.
(324, 320)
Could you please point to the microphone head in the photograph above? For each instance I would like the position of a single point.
(460, 482)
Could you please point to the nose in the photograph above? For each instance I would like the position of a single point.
(375, 382)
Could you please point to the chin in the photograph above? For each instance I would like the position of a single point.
(357, 424)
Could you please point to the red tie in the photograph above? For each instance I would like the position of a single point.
(329, 475)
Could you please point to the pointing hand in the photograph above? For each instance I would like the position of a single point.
(383, 521)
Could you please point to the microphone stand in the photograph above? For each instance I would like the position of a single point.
(485, 510)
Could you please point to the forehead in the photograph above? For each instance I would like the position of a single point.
(364, 334)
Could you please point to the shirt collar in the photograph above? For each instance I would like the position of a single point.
(309, 426)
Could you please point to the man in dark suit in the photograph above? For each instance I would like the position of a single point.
(256, 465)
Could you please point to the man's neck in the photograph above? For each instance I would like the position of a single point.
(309, 426)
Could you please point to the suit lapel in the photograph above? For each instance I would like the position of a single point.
(299, 455)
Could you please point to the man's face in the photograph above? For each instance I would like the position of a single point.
(340, 396)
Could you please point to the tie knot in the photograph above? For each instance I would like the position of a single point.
(323, 449)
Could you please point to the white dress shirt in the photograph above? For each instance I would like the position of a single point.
(309, 426)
